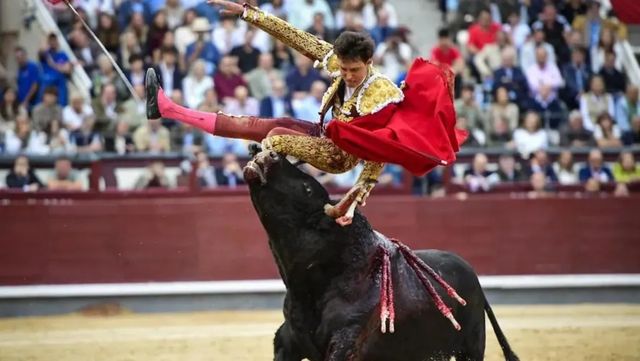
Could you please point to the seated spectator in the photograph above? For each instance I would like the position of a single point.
(246, 53)
(445, 52)
(230, 174)
(556, 30)
(157, 29)
(152, 137)
(76, 112)
(547, 104)
(135, 112)
(472, 139)
(607, 134)
(106, 74)
(129, 45)
(576, 75)
(136, 71)
(58, 138)
(595, 169)
(175, 13)
(262, 78)
(593, 20)
(22, 176)
(277, 105)
(573, 133)
(210, 103)
(543, 73)
(106, 108)
(529, 52)
(467, 107)
(276, 8)
(489, 59)
(64, 177)
(168, 71)
(282, 57)
(121, 141)
(299, 79)
(301, 13)
(185, 34)
(108, 32)
(627, 108)
(531, 137)
(512, 78)
(55, 68)
(242, 103)
(128, 10)
(615, 81)
(539, 186)
(372, 13)
(85, 50)
(477, 178)
(85, 139)
(539, 163)
(632, 136)
(24, 139)
(595, 102)
(349, 9)
(10, 109)
(227, 34)
(517, 30)
(626, 170)
(382, 28)
(572, 9)
(500, 135)
(503, 108)
(153, 177)
(205, 172)
(202, 48)
(309, 107)
(507, 170)
(227, 78)
(565, 169)
(482, 33)
(48, 110)
(196, 84)
(393, 56)
(606, 44)
(28, 79)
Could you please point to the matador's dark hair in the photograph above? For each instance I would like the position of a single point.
(353, 45)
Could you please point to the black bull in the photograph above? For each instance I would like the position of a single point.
(331, 308)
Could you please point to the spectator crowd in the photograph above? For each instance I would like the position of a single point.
(531, 75)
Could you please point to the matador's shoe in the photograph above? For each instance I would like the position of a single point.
(151, 87)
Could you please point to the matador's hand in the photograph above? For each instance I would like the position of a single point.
(228, 7)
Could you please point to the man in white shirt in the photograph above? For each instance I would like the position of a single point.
(301, 13)
(528, 51)
(543, 73)
(242, 103)
(74, 114)
(308, 108)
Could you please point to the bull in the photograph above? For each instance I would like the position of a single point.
(332, 303)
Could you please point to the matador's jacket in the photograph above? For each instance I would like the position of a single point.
(413, 127)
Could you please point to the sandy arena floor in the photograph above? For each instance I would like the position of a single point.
(578, 332)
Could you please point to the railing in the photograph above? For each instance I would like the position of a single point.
(79, 77)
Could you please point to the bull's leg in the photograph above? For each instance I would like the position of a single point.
(284, 347)
(342, 346)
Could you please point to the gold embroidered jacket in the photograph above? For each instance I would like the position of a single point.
(375, 93)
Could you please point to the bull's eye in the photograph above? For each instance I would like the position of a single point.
(308, 189)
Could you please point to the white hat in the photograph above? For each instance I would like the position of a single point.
(200, 25)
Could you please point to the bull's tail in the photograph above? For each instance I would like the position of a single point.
(509, 355)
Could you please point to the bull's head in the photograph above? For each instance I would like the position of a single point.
(283, 194)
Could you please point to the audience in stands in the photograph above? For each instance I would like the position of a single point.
(536, 74)
(230, 174)
(153, 177)
(595, 169)
(626, 170)
(477, 177)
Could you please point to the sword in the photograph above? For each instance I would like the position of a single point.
(106, 52)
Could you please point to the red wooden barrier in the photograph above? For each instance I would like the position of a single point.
(219, 238)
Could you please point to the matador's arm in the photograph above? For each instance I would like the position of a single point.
(302, 41)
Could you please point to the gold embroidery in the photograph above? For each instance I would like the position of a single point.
(377, 94)
(319, 152)
(305, 43)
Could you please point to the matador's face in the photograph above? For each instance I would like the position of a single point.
(353, 71)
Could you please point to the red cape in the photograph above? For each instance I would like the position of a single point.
(419, 133)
